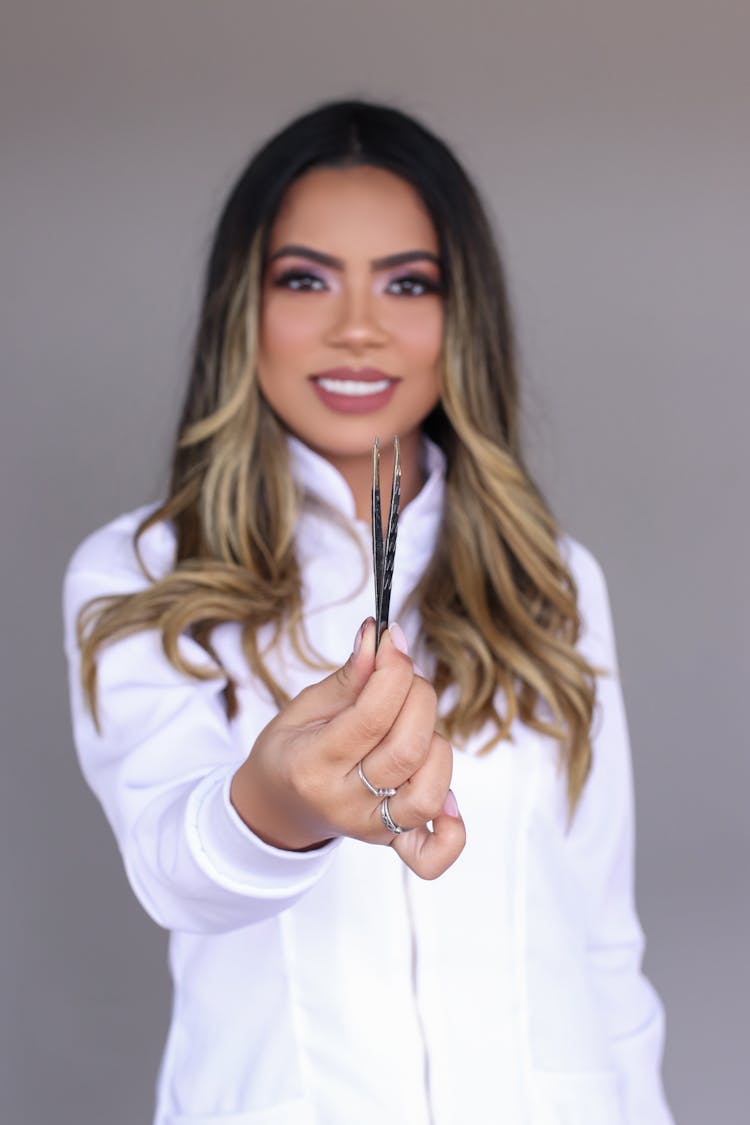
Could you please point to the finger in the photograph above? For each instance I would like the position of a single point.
(430, 853)
(406, 746)
(422, 797)
(321, 701)
(360, 727)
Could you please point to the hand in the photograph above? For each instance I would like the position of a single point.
(300, 787)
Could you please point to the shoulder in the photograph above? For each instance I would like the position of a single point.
(596, 640)
(110, 549)
(105, 563)
(583, 564)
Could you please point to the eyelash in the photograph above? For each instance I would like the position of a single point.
(428, 285)
(284, 281)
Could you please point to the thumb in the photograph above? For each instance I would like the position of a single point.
(338, 691)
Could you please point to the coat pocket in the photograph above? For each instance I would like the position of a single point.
(590, 1098)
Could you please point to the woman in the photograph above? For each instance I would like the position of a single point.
(490, 969)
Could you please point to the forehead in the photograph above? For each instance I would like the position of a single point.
(351, 210)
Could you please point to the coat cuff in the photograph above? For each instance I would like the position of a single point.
(234, 857)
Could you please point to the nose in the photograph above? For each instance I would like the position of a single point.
(356, 324)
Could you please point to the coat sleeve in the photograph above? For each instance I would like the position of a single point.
(161, 768)
(602, 843)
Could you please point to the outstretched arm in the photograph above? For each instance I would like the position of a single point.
(215, 838)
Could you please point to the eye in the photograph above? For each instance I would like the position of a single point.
(300, 280)
(413, 285)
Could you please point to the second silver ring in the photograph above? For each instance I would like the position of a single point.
(374, 789)
(388, 821)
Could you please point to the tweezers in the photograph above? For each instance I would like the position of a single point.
(384, 553)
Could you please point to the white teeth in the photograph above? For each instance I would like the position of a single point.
(353, 387)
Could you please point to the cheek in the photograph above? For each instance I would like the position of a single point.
(283, 332)
(421, 333)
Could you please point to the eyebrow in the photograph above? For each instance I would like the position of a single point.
(299, 251)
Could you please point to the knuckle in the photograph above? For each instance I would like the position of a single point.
(426, 692)
(442, 744)
(406, 757)
(442, 752)
(341, 676)
(297, 774)
(370, 728)
(428, 800)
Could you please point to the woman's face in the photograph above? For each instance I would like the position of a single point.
(352, 312)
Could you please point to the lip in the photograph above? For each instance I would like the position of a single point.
(355, 400)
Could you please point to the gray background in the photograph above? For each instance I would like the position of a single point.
(610, 141)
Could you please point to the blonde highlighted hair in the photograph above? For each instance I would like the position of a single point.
(497, 591)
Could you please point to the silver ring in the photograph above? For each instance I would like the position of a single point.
(376, 792)
(388, 821)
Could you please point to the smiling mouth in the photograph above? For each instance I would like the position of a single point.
(349, 390)
(353, 388)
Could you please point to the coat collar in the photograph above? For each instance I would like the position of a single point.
(319, 480)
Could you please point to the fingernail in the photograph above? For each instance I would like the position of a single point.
(399, 638)
(360, 634)
(450, 806)
(418, 671)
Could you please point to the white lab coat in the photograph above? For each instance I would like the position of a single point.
(334, 987)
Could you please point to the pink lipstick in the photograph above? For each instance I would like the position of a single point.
(349, 390)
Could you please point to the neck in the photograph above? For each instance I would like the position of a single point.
(356, 469)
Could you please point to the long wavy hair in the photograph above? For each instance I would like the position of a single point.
(498, 605)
